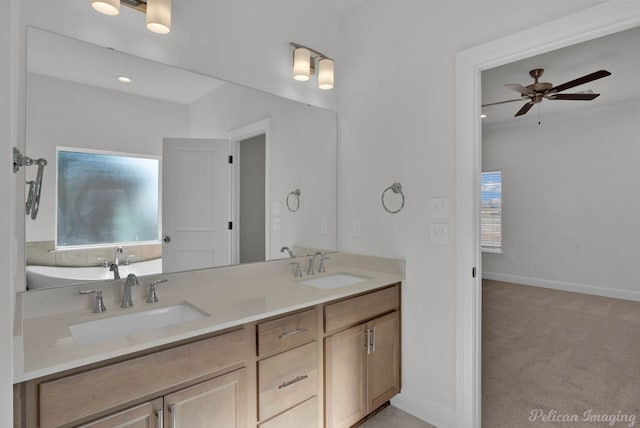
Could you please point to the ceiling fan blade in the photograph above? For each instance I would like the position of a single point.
(519, 88)
(525, 108)
(574, 97)
(501, 102)
(580, 81)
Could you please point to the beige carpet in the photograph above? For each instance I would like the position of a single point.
(562, 359)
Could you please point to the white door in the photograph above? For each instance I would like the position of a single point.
(195, 204)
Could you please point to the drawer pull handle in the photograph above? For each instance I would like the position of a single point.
(160, 418)
(291, 382)
(373, 339)
(291, 333)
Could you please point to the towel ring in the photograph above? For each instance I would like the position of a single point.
(295, 193)
(395, 188)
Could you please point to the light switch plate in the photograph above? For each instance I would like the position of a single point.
(439, 233)
(356, 229)
(439, 207)
(275, 208)
(275, 223)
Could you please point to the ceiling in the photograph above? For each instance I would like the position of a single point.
(618, 53)
(69, 59)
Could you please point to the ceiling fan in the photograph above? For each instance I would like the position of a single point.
(537, 91)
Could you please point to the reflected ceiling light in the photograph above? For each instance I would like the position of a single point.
(482, 116)
(124, 79)
(107, 7)
(304, 65)
(158, 11)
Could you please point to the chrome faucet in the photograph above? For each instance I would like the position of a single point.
(126, 293)
(116, 272)
(115, 257)
(312, 262)
(288, 250)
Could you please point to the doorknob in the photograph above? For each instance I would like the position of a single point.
(167, 239)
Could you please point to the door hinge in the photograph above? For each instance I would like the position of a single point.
(230, 158)
(473, 272)
(230, 225)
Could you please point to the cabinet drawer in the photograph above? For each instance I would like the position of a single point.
(357, 309)
(288, 331)
(304, 415)
(287, 379)
(78, 396)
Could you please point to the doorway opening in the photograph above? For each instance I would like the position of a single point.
(251, 187)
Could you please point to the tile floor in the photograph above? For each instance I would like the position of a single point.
(392, 417)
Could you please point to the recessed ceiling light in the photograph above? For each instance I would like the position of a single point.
(124, 79)
(482, 116)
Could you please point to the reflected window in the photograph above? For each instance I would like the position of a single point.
(106, 198)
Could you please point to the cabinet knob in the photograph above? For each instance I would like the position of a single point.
(166, 239)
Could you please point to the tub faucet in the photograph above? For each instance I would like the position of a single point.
(115, 256)
(116, 272)
(288, 250)
(126, 293)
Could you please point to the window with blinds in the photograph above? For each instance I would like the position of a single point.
(491, 212)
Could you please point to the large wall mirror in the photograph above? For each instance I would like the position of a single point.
(156, 169)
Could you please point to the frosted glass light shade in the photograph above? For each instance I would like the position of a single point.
(325, 74)
(159, 16)
(301, 64)
(107, 7)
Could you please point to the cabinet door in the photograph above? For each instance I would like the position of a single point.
(142, 416)
(219, 402)
(383, 359)
(345, 376)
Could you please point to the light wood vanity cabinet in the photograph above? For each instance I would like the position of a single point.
(327, 366)
(143, 416)
(362, 363)
(288, 371)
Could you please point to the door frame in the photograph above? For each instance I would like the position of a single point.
(598, 21)
(235, 136)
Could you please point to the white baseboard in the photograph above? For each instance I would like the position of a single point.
(616, 293)
(426, 410)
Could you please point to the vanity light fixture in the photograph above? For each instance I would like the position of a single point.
(158, 11)
(304, 65)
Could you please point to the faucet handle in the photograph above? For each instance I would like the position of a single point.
(322, 259)
(104, 261)
(153, 297)
(298, 273)
(98, 306)
(128, 258)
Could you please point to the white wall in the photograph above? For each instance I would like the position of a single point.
(302, 154)
(570, 200)
(397, 124)
(68, 114)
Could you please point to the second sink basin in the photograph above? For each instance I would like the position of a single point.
(124, 325)
(334, 280)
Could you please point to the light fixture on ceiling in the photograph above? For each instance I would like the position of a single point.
(124, 79)
(158, 11)
(304, 65)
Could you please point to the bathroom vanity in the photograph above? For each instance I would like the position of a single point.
(270, 351)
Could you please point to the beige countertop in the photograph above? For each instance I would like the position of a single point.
(230, 296)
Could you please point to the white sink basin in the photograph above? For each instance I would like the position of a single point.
(334, 280)
(124, 325)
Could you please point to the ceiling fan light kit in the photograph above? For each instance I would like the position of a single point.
(538, 91)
